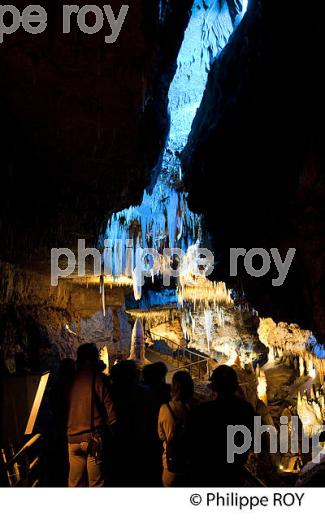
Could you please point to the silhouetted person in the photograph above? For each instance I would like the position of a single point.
(172, 429)
(58, 399)
(208, 433)
(21, 363)
(154, 376)
(90, 413)
(135, 409)
(60, 391)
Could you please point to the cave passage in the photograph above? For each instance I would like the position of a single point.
(211, 319)
(190, 323)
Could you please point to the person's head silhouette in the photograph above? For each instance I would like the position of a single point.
(154, 374)
(87, 355)
(67, 368)
(182, 386)
(224, 380)
(125, 374)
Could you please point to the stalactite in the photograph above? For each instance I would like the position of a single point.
(290, 339)
(208, 322)
(163, 219)
(102, 293)
(311, 412)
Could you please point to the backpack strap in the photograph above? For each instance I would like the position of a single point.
(173, 414)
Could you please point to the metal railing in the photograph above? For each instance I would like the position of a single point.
(20, 469)
(197, 364)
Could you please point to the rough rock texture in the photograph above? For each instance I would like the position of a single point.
(40, 324)
(112, 330)
(83, 124)
(171, 331)
(283, 336)
(255, 163)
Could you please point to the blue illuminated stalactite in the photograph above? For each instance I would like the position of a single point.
(163, 219)
(207, 33)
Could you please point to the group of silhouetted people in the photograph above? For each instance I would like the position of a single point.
(133, 429)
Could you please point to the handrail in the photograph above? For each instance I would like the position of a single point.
(189, 365)
(185, 351)
(179, 347)
(166, 339)
(27, 445)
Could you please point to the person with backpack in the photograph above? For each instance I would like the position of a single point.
(208, 429)
(172, 430)
(90, 415)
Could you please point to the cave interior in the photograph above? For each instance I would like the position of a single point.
(200, 128)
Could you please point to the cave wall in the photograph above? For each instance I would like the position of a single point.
(254, 163)
(83, 124)
(40, 324)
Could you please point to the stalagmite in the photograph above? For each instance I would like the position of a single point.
(137, 352)
(262, 386)
(299, 400)
(311, 369)
(271, 357)
(301, 367)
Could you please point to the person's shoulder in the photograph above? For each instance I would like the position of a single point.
(144, 394)
(203, 408)
(102, 380)
(143, 389)
(100, 377)
(244, 406)
(163, 410)
(206, 405)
